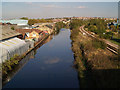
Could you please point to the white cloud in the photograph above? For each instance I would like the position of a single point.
(52, 61)
(29, 3)
(51, 6)
(56, 6)
(81, 7)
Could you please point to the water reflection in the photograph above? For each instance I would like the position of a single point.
(18, 67)
(51, 67)
(52, 61)
(21, 64)
(57, 32)
(49, 38)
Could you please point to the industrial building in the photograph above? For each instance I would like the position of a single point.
(10, 44)
(19, 22)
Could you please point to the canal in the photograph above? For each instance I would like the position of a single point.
(49, 66)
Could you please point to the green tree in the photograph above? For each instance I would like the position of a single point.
(32, 21)
(12, 28)
(113, 28)
(75, 23)
(97, 26)
(25, 18)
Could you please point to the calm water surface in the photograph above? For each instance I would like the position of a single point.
(51, 67)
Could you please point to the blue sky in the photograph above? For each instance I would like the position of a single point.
(59, 9)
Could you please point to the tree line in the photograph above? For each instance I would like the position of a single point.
(99, 27)
(33, 21)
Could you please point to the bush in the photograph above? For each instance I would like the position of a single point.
(12, 28)
(24, 18)
(60, 25)
(98, 44)
(107, 35)
(33, 21)
(74, 33)
(98, 26)
(8, 64)
(75, 23)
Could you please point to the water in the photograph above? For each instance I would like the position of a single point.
(51, 66)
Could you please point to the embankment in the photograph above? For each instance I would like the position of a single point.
(97, 67)
(10, 64)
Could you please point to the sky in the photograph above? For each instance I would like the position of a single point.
(58, 9)
(60, 0)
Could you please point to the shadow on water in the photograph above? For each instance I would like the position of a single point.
(21, 64)
(51, 67)
(108, 78)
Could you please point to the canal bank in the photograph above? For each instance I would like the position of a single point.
(51, 67)
(97, 67)
(23, 61)
(9, 65)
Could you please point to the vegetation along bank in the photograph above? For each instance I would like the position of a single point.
(93, 61)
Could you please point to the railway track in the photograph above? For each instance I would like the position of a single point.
(110, 46)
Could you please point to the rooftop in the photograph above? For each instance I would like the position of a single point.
(28, 30)
(15, 21)
(23, 31)
(6, 32)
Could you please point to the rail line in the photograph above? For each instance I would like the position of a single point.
(110, 47)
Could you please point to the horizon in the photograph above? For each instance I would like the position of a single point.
(57, 17)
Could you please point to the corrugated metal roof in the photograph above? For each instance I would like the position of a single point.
(15, 21)
(11, 47)
(11, 44)
(7, 33)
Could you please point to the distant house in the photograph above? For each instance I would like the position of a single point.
(32, 35)
(44, 27)
(111, 23)
(29, 33)
(46, 32)
(116, 24)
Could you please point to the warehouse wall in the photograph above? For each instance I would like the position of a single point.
(12, 47)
